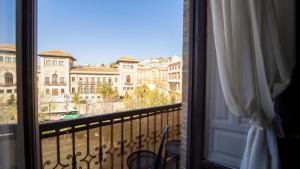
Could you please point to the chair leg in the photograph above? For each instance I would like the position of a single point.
(177, 162)
(165, 159)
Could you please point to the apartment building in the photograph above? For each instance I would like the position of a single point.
(59, 78)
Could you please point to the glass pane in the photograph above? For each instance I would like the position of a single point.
(8, 84)
(113, 57)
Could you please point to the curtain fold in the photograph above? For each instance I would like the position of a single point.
(253, 69)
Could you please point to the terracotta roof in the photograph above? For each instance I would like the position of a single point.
(127, 59)
(94, 70)
(7, 47)
(57, 53)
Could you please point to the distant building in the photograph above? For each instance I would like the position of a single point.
(8, 77)
(175, 76)
(58, 78)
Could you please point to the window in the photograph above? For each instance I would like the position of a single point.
(73, 79)
(80, 90)
(80, 80)
(54, 78)
(8, 78)
(86, 90)
(98, 80)
(128, 79)
(62, 80)
(93, 80)
(104, 79)
(7, 59)
(73, 90)
(48, 62)
(116, 79)
(1, 91)
(8, 91)
(15, 90)
(109, 80)
(47, 91)
(54, 92)
(92, 89)
(1, 58)
(47, 79)
(61, 63)
(124, 88)
(86, 80)
(54, 63)
(62, 91)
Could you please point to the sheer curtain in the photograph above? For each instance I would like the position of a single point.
(254, 67)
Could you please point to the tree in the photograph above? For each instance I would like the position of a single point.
(107, 92)
(11, 100)
(76, 99)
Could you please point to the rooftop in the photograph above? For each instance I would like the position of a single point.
(7, 47)
(56, 53)
(94, 70)
(127, 59)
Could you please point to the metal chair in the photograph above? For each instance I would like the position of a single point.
(145, 159)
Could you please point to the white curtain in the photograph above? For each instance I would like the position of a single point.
(254, 67)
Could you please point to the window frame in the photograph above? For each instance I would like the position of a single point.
(28, 138)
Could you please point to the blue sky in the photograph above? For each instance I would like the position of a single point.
(100, 31)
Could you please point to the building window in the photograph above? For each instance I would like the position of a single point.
(92, 89)
(1, 58)
(16, 90)
(93, 80)
(116, 79)
(54, 92)
(1, 91)
(98, 80)
(8, 91)
(116, 88)
(62, 91)
(128, 79)
(86, 90)
(54, 78)
(48, 62)
(62, 80)
(47, 91)
(61, 63)
(47, 79)
(109, 80)
(73, 90)
(124, 88)
(13, 59)
(73, 79)
(87, 80)
(7, 59)
(104, 79)
(80, 90)
(80, 80)
(8, 78)
(54, 62)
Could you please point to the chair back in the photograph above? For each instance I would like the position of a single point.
(159, 154)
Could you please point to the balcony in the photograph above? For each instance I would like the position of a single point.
(55, 84)
(105, 141)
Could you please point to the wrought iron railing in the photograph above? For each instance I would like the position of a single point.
(105, 141)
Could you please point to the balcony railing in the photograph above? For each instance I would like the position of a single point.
(105, 141)
(55, 83)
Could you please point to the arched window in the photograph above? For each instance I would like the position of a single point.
(93, 89)
(128, 79)
(86, 90)
(80, 90)
(9, 79)
(54, 78)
